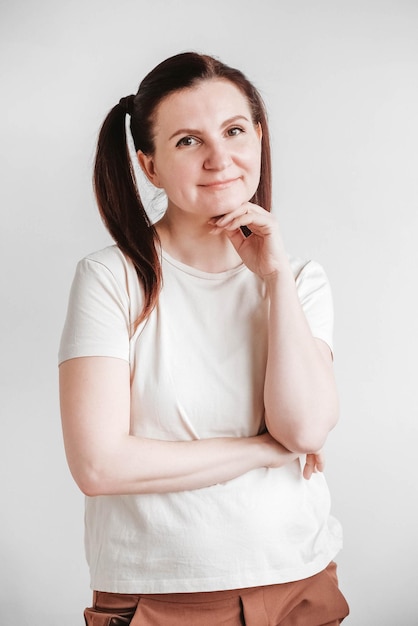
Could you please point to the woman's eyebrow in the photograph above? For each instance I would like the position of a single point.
(195, 131)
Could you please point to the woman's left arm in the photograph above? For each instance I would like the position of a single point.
(300, 396)
(300, 393)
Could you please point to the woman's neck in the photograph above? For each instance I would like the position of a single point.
(190, 242)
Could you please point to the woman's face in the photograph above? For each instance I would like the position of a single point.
(207, 150)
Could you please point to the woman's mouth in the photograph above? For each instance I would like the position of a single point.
(220, 184)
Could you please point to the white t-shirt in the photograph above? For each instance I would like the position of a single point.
(197, 371)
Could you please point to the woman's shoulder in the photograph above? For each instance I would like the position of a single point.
(112, 270)
(110, 257)
(305, 267)
(110, 261)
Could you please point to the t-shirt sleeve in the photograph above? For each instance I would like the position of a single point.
(97, 322)
(316, 299)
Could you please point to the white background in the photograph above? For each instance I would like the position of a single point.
(340, 79)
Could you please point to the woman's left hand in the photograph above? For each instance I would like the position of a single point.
(262, 251)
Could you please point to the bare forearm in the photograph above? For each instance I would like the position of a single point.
(137, 465)
(105, 459)
(300, 395)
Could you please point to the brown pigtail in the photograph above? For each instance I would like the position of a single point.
(121, 207)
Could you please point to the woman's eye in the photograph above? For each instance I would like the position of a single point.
(236, 130)
(186, 141)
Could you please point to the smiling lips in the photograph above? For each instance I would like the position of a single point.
(220, 184)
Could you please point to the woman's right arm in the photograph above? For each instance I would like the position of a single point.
(105, 459)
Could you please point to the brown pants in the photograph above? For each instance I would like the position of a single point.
(315, 601)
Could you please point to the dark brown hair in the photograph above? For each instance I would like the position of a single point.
(115, 186)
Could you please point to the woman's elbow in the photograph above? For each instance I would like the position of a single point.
(91, 488)
(308, 442)
(90, 480)
(303, 437)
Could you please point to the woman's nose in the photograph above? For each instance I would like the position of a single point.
(217, 157)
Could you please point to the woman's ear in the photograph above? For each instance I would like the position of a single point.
(147, 165)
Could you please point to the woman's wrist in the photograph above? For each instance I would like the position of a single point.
(279, 277)
(270, 452)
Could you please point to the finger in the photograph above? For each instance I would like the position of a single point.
(320, 465)
(223, 221)
(260, 224)
(309, 468)
(320, 461)
(234, 226)
(248, 208)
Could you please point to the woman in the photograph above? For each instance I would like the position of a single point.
(196, 373)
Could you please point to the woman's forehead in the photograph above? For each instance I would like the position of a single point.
(209, 101)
